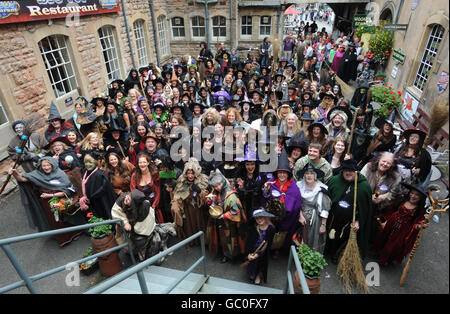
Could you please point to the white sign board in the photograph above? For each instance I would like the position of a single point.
(409, 107)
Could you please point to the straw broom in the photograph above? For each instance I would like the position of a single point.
(245, 264)
(438, 118)
(350, 268)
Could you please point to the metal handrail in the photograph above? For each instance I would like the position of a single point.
(109, 283)
(28, 280)
(289, 285)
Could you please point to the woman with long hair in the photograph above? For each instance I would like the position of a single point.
(128, 113)
(337, 153)
(146, 179)
(92, 144)
(137, 141)
(118, 171)
(383, 141)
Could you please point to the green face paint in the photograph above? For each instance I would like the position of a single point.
(89, 165)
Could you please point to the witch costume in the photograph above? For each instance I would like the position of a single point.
(39, 213)
(188, 203)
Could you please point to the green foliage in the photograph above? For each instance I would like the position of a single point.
(387, 97)
(381, 44)
(365, 29)
(312, 261)
(99, 231)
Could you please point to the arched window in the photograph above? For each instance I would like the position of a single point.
(198, 27)
(177, 27)
(58, 63)
(110, 52)
(139, 34)
(429, 54)
(219, 26)
(162, 35)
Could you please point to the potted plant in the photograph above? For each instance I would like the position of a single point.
(380, 76)
(102, 239)
(312, 264)
(387, 98)
(89, 266)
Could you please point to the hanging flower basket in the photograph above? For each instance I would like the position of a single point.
(381, 45)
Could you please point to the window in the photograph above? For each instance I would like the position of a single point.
(246, 25)
(162, 35)
(177, 27)
(58, 64)
(109, 50)
(429, 54)
(198, 26)
(265, 25)
(3, 117)
(139, 33)
(219, 26)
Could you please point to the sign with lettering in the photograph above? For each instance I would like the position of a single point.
(399, 55)
(443, 82)
(395, 27)
(34, 10)
(359, 19)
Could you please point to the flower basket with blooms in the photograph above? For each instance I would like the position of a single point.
(381, 45)
(388, 98)
(98, 231)
(312, 261)
(89, 266)
(58, 205)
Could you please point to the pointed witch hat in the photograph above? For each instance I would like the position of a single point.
(54, 113)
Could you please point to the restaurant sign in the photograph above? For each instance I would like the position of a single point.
(34, 10)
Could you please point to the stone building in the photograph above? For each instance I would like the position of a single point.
(421, 52)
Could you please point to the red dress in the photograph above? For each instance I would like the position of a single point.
(398, 236)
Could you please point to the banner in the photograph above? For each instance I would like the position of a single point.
(443, 82)
(34, 10)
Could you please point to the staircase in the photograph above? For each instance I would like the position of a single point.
(159, 278)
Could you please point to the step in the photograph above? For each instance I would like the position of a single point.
(224, 286)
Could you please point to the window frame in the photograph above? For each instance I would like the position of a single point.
(141, 44)
(111, 51)
(63, 65)
(220, 28)
(174, 27)
(162, 35)
(3, 114)
(199, 27)
(261, 25)
(247, 26)
(425, 64)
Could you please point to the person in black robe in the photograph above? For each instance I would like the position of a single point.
(114, 140)
(98, 193)
(348, 66)
(132, 80)
(258, 259)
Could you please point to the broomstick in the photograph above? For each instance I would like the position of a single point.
(245, 264)
(439, 116)
(419, 236)
(121, 150)
(351, 133)
(350, 268)
(31, 123)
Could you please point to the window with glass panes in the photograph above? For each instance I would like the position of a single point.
(246, 25)
(178, 27)
(429, 54)
(109, 51)
(139, 34)
(198, 26)
(219, 26)
(162, 35)
(265, 25)
(58, 64)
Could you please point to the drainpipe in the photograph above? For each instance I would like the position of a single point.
(152, 11)
(231, 24)
(398, 11)
(128, 33)
(207, 22)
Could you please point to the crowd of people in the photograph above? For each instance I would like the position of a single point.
(141, 141)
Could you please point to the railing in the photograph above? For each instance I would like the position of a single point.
(289, 285)
(105, 285)
(28, 280)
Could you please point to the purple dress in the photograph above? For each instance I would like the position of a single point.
(293, 204)
(337, 61)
